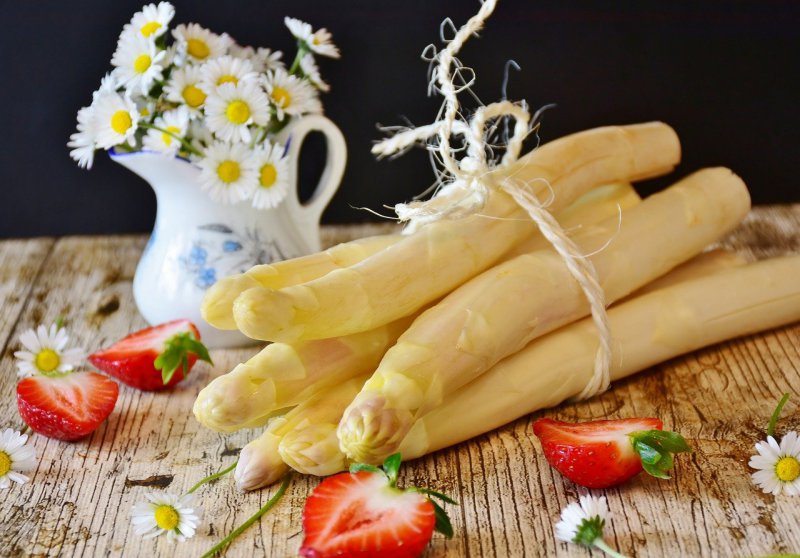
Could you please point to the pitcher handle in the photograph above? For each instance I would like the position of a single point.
(334, 164)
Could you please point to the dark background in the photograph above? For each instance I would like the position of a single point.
(723, 73)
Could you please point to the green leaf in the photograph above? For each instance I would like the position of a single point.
(176, 353)
(358, 467)
(655, 448)
(443, 497)
(392, 467)
(773, 421)
(443, 524)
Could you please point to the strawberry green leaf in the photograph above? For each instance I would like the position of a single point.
(443, 497)
(392, 467)
(443, 524)
(176, 353)
(358, 467)
(655, 448)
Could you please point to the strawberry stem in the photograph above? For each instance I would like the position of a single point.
(602, 545)
(175, 353)
(213, 477)
(252, 519)
(773, 421)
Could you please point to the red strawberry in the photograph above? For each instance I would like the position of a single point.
(154, 358)
(606, 453)
(66, 407)
(363, 514)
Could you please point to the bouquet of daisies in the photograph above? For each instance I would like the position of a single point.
(195, 94)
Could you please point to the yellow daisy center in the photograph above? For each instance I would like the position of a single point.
(197, 48)
(121, 121)
(144, 111)
(150, 28)
(268, 175)
(141, 63)
(166, 138)
(281, 97)
(315, 40)
(5, 463)
(47, 360)
(238, 112)
(193, 96)
(227, 79)
(229, 171)
(787, 469)
(167, 517)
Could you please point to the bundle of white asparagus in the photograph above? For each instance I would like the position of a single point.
(414, 343)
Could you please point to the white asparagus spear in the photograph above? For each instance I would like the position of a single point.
(217, 308)
(320, 454)
(647, 330)
(430, 263)
(283, 375)
(264, 460)
(497, 313)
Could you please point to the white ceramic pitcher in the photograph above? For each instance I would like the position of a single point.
(196, 241)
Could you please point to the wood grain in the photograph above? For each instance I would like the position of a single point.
(78, 502)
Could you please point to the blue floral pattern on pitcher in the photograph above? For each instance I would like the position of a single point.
(218, 250)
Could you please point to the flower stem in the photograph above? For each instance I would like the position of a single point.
(601, 544)
(239, 530)
(773, 421)
(213, 477)
(302, 49)
(186, 145)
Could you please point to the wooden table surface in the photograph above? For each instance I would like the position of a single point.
(79, 500)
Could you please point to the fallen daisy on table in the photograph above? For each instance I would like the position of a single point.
(15, 457)
(778, 465)
(177, 516)
(583, 523)
(46, 352)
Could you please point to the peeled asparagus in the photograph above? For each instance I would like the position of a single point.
(264, 460)
(217, 308)
(282, 376)
(706, 263)
(497, 313)
(648, 329)
(430, 263)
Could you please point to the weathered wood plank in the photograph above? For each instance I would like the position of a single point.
(78, 503)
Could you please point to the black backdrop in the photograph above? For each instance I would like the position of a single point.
(723, 73)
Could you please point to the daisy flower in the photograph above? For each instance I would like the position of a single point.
(583, 523)
(82, 141)
(177, 516)
(199, 135)
(310, 70)
(46, 353)
(174, 121)
(262, 59)
(273, 176)
(200, 43)
(15, 457)
(225, 69)
(107, 85)
(317, 41)
(137, 63)
(115, 120)
(233, 108)
(778, 465)
(152, 21)
(184, 87)
(291, 95)
(227, 172)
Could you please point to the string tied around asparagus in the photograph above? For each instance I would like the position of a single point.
(464, 185)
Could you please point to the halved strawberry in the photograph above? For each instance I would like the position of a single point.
(363, 514)
(605, 453)
(150, 359)
(66, 407)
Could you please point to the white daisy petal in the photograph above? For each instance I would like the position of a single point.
(291, 95)
(778, 465)
(233, 108)
(199, 43)
(47, 352)
(151, 21)
(225, 69)
(30, 340)
(138, 63)
(273, 176)
(15, 458)
(174, 123)
(115, 120)
(227, 172)
(311, 71)
(317, 41)
(166, 513)
(575, 516)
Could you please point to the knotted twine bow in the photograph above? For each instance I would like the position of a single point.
(468, 182)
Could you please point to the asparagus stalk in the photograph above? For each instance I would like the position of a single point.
(424, 266)
(264, 460)
(499, 312)
(647, 330)
(282, 375)
(217, 308)
(706, 263)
